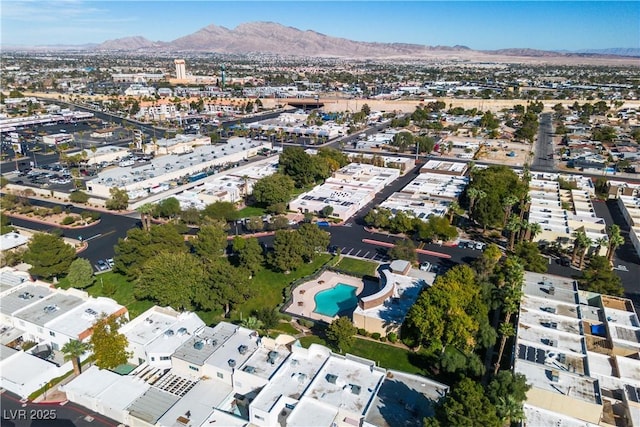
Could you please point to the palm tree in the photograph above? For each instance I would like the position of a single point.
(534, 230)
(524, 229)
(615, 240)
(145, 215)
(525, 202)
(507, 205)
(506, 331)
(513, 227)
(454, 209)
(510, 409)
(252, 323)
(578, 237)
(472, 194)
(72, 351)
(600, 242)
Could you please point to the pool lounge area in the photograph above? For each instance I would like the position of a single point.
(326, 297)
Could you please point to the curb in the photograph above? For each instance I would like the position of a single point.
(53, 224)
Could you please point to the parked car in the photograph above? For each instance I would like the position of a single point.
(425, 266)
(111, 262)
(101, 265)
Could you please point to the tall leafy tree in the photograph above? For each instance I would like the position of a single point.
(224, 286)
(80, 273)
(313, 240)
(341, 333)
(211, 241)
(167, 208)
(119, 199)
(109, 346)
(73, 350)
(249, 254)
(404, 249)
(169, 278)
(467, 405)
(48, 255)
(221, 211)
(288, 250)
(599, 277)
(273, 189)
(139, 246)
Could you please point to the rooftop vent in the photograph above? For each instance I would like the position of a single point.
(182, 331)
(271, 358)
(331, 378)
(198, 345)
(355, 389)
(243, 349)
(249, 369)
(169, 333)
(51, 308)
(148, 320)
(25, 295)
(232, 363)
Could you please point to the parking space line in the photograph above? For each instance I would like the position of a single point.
(360, 250)
(365, 255)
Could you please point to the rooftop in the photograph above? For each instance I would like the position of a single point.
(197, 405)
(152, 405)
(23, 296)
(82, 317)
(48, 309)
(202, 345)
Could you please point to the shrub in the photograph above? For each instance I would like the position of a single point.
(392, 337)
(79, 197)
(67, 220)
(306, 323)
(57, 209)
(375, 335)
(363, 332)
(383, 339)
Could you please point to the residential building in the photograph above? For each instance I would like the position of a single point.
(347, 191)
(181, 71)
(579, 352)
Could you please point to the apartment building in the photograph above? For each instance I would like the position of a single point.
(229, 375)
(347, 191)
(579, 351)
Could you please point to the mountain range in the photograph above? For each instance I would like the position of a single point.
(277, 39)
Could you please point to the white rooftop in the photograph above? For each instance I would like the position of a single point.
(197, 405)
(12, 240)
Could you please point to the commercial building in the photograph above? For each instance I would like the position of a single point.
(181, 70)
(230, 376)
(628, 196)
(347, 191)
(107, 154)
(579, 352)
(561, 212)
(143, 178)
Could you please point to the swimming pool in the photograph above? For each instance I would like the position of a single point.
(332, 301)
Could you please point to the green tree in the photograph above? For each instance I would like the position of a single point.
(167, 208)
(5, 224)
(404, 249)
(273, 189)
(80, 273)
(146, 211)
(224, 286)
(249, 253)
(48, 255)
(168, 278)
(287, 250)
(211, 241)
(341, 333)
(301, 167)
(119, 199)
(615, 239)
(326, 211)
(268, 316)
(140, 245)
(73, 350)
(221, 211)
(599, 277)
(313, 240)
(467, 405)
(531, 258)
(507, 391)
(109, 346)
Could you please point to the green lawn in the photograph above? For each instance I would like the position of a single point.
(268, 287)
(384, 355)
(284, 328)
(250, 211)
(123, 292)
(357, 267)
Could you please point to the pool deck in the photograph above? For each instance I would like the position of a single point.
(303, 302)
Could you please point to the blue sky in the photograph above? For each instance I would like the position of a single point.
(552, 25)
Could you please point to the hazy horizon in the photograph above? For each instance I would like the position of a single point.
(479, 25)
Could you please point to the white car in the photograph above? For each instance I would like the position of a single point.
(425, 266)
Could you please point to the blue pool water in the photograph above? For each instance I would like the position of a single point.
(332, 301)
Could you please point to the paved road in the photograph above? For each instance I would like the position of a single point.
(101, 237)
(543, 152)
(18, 414)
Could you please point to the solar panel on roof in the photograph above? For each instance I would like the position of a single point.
(531, 355)
(540, 356)
(522, 352)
